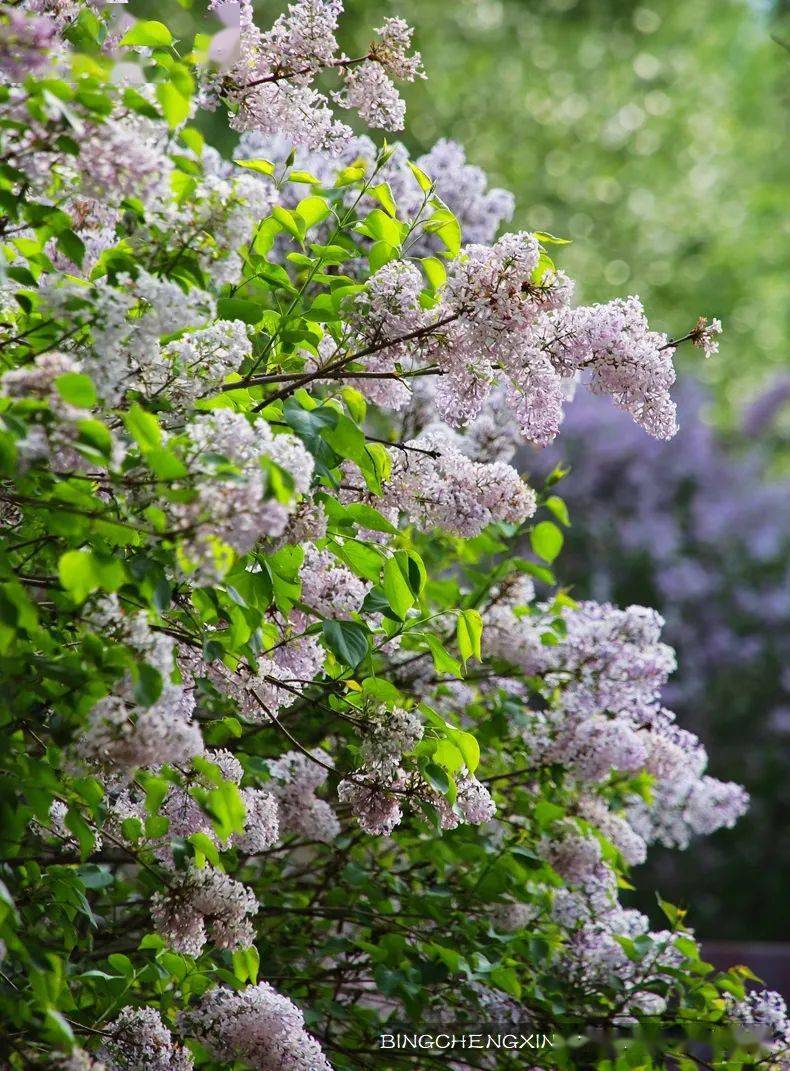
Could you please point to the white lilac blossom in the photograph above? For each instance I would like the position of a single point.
(388, 734)
(121, 158)
(229, 508)
(512, 917)
(204, 896)
(138, 1040)
(79, 1060)
(474, 801)
(57, 831)
(436, 486)
(131, 627)
(197, 362)
(328, 588)
(185, 815)
(573, 855)
(373, 795)
(26, 40)
(369, 91)
(295, 780)
(388, 309)
(122, 737)
(705, 335)
(761, 1018)
(462, 186)
(270, 87)
(257, 1025)
(609, 660)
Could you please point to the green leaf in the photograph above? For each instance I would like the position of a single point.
(469, 629)
(312, 210)
(175, 106)
(226, 807)
(262, 167)
(399, 594)
(72, 246)
(246, 962)
(546, 539)
(148, 34)
(349, 641)
(437, 777)
(293, 224)
(383, 195)
(303, 176)
(81, 830)
(143, 427)
(205, 849)
(76, 389)
(559, 509)
(425, 184)
(435, 271)
(81, 572)
(443, 661)
(468, 746)
(232, 308)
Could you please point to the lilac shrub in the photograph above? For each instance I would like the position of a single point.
(294, 751)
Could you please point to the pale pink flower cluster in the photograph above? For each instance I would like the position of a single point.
(761, 1018)
(516, 327)
(437, 486)
(373, 796)
(281, 675)
(328, 588)
(295, 779)
(122, 737)
(230, 507)
(462, 186)
(705, 334)
(593, 958)
(609, 666)
(51, 432)
(198, 362)
(26, 41)
(389, 308)
(124, 158)
(388, 734)
(270, 87)
(130, 627)
(186, 816)
(139, 1041)
(204, 896)
(257, 1025)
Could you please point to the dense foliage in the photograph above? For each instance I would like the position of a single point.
(293, 750)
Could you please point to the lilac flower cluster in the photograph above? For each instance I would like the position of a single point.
(437, 486)
(26, 40)
(295, 779)
(204, 895)
(231, 510)
(270, 86)
(257, 1025)
(480, 210)
(328, 588)
(610, 666)
(122, 737)
(139, 1041)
